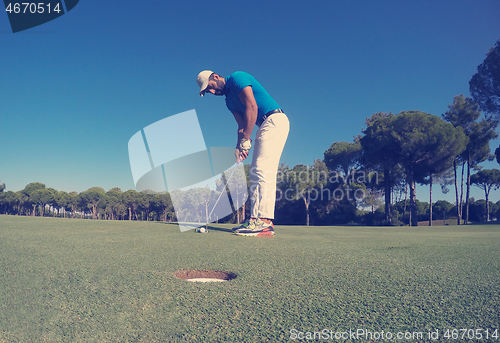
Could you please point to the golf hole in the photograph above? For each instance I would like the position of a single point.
(204, 275)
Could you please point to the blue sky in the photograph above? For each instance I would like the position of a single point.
(76, 89)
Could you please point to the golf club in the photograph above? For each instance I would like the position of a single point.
(229, 178)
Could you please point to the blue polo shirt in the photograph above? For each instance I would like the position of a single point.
(235, 84)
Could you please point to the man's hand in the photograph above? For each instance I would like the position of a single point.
(240, 155)
(242, 147)
(245, 144)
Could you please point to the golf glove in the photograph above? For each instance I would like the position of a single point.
(245, 144)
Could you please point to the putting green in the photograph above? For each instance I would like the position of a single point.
(65, 280)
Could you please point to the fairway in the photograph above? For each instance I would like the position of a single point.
(69, 280)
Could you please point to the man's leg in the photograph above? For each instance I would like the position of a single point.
(269, 143)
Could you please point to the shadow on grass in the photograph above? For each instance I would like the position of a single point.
(215, 228)
(496, 222)
(197, 225)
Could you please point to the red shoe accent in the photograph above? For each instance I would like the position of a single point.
(266, 233)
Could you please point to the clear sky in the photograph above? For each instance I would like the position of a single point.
(73, 91)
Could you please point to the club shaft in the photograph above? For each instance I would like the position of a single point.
(223, 189)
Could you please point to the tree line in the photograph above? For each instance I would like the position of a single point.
(95, 203)
(391, 156)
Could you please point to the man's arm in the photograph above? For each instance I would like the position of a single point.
(240, 119)
(238, 116)
(250, 115)
(246, 121)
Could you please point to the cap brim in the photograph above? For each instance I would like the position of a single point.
(203, 87)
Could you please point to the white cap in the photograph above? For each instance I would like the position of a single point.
(203, 80)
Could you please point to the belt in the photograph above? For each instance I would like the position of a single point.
(268, 114)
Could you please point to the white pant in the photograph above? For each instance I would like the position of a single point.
(269, 143)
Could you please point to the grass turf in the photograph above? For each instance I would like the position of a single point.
(65, 280)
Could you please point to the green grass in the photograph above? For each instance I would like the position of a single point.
(64, 280)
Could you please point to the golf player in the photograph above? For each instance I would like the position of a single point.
(251, 105)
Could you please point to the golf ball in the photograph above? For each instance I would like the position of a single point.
(203, 230)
